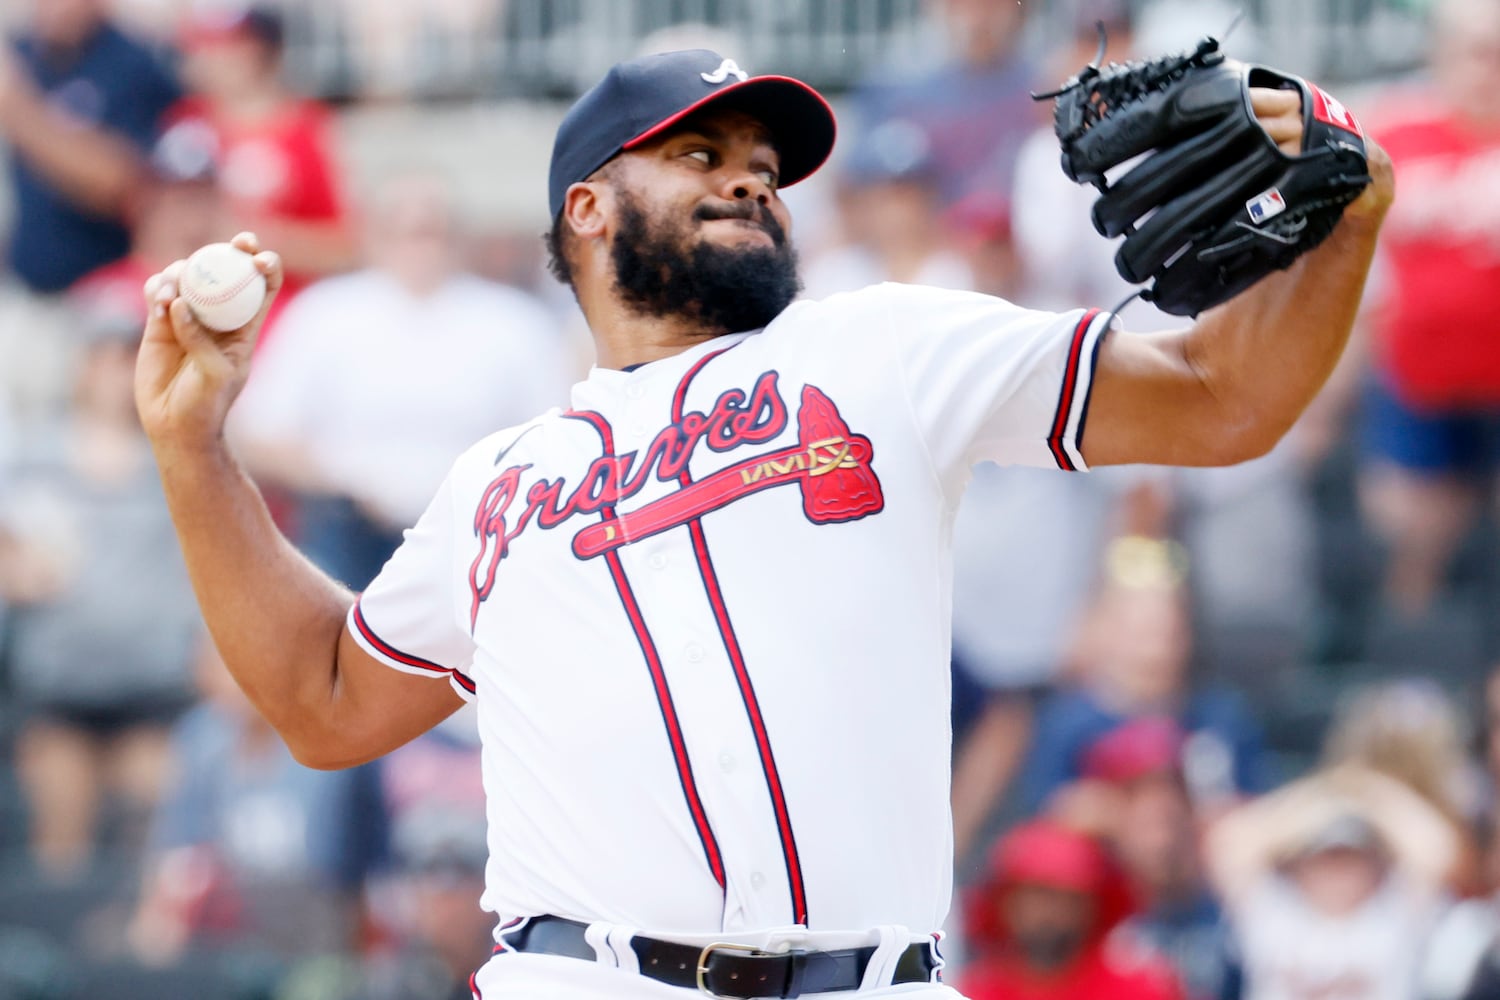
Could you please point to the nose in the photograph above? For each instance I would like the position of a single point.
(750, 185)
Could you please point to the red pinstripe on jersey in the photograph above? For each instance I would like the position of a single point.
(658, 673)
(742, 675)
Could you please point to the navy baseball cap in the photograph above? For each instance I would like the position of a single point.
(639, 99)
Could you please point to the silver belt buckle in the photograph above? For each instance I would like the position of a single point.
(703, 964)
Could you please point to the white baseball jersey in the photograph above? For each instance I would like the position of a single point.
(705, 612)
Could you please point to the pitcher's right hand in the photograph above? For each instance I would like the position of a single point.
(186, 375)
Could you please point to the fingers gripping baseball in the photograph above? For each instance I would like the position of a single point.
(187, 375)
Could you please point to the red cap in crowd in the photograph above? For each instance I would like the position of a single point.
(1139, 748)
(211, 25)
(1045, 852)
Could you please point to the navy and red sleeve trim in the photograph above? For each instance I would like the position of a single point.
(383, 651)
(1065, 437)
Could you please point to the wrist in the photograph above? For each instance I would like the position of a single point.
(1375, 200)
(183, 452)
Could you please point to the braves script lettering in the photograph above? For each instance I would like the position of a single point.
(832, 466)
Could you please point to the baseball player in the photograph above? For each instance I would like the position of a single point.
(704, 610)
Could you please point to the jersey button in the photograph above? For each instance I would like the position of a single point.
(635, 391)
(694, 653)
(726, 762)
(757, 880)
(659, 561)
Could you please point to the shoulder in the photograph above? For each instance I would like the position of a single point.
(889, 302)
(503, 448)
(132, 61)
(888, 293)
(122, 48)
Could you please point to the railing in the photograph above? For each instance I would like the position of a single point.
(488, 48)
(554, 48)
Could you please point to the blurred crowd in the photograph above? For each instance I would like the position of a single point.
(1218, 733)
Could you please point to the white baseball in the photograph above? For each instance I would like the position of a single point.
(222, 286)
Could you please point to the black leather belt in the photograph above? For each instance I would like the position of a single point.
(728, 970)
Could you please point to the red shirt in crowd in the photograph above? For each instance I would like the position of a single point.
(1103, 970)
(279, 169)
(1438, 339)
(1109, 963)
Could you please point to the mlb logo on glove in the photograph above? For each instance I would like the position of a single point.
(1265, 206)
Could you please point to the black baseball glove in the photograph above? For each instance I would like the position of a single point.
(1215, 205)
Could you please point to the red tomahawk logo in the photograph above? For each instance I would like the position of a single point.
(831, 465)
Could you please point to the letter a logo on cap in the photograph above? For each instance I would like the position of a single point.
(726, 69)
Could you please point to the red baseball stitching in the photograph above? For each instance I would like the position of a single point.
(196, 296)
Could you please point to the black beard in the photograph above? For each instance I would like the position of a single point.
(723, 289)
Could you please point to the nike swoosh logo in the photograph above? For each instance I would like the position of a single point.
(513, 441)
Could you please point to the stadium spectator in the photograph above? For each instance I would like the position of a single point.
(275, 150)
(1040, 926)
(1132, 661)
(1333, 884)
(1025, 554)
(973, 104)
(891, 215)
(1463, 953)
(980, 226)
(250, 849)
(433, 49)
(428, 903)
(1410, 730)
(444, 357)
(101, 635)
(80, 103)
(1135, 788)
(179, 209)
(1432, 402)
(1066, 260)
(127, 613)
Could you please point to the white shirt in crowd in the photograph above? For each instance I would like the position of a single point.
(1291, 951)
(382, 389)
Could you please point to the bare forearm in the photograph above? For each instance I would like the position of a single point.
(1266, 354)
(93, 169)
(275, 618)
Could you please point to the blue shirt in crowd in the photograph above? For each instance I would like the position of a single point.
(111, 82)
(1071, 721)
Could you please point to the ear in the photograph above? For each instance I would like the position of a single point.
(588, 206)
